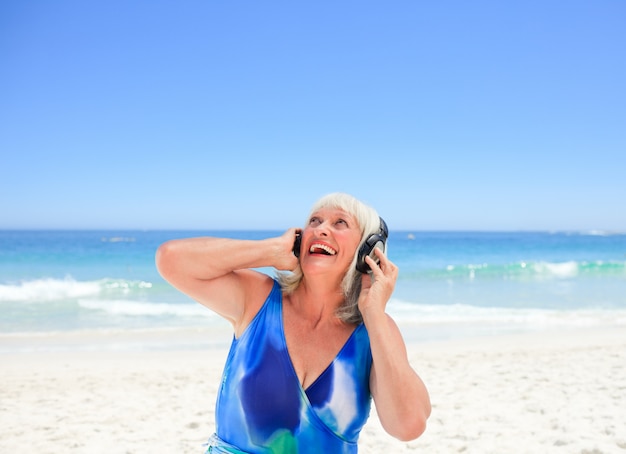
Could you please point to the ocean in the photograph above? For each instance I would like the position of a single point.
(450, 284)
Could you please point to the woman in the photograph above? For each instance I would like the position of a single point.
(312, 347)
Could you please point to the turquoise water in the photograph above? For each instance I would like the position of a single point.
(449, 282)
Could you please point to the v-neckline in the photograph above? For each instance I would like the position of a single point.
(291, 364)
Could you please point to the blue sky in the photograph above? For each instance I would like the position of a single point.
(454, 115)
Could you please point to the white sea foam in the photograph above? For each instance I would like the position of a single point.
(424, 314)
(558, 270)
(40, 290)
(48, 289)
(138, 308)
(540, 270)
(118, 239)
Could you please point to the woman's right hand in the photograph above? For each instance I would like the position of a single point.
(285, 258)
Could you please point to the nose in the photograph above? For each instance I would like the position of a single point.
(322, 229)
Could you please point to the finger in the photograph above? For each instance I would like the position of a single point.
(383, 261)
(387, 267)
(381, 256)
(374, 266)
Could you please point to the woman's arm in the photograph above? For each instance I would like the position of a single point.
(216, 271)
(400, 396)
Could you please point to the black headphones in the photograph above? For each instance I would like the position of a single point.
(375, 240)
(297, 244)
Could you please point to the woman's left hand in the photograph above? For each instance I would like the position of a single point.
(377, 286)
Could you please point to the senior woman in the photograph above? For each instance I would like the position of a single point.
(312, 346)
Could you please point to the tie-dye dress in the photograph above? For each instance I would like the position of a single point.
(262, 408)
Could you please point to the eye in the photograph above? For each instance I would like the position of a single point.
(341, 222)
(314, 221)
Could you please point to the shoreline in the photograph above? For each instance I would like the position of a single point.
(218, 334)
(556, 391)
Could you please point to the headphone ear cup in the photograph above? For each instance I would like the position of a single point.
(297, 244)
(367, 248)
(361, 266)
(375, 240)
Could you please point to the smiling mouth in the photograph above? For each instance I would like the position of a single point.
(317, 248)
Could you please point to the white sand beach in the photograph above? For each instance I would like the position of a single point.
(544, 392)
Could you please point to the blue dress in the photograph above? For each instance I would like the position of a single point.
(262, 408)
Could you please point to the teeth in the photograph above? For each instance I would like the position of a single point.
(323, 247)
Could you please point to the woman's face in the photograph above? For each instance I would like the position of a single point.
(329, 241)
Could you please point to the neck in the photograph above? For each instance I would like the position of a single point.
(316, 301)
